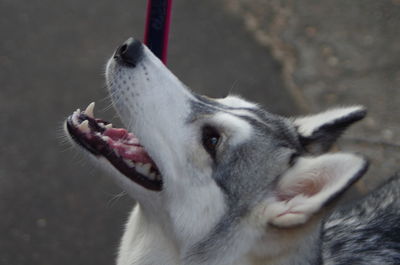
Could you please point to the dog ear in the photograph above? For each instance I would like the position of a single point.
(309, 185)
(318, 132)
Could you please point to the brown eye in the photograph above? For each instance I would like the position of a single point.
(210, 139)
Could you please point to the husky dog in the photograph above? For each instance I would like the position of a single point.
(224, 182)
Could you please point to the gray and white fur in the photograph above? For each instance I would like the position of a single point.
(242, 186)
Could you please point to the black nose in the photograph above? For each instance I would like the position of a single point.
(130, 52)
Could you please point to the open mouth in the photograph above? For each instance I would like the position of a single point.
(120, 147)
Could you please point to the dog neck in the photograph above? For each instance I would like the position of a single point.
(146, 242)
(299, 245)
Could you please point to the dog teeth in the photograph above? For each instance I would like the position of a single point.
(139, 168)
(105, 138)
(75, 116)
(89, 111)
(143, 169)
(152, 176)
(147, 167)
(84, 126)
(129, 163)
(75, 119)
(109, 126)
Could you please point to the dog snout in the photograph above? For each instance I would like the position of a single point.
(130, 52)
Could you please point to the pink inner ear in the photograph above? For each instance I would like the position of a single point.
(306, 187)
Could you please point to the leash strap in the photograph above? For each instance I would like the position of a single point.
(158, 19)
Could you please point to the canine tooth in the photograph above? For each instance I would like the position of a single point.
(109, 126)
(89, 111)
(84, 126)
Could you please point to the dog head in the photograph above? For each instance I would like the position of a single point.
(213, 172)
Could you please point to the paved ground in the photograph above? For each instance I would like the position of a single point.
(294, 58)
(54, 207)
(338, 53)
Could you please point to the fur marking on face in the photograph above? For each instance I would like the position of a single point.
(224, 182)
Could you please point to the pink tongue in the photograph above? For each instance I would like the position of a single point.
(136, 154)
(116, 133)
(127, 145)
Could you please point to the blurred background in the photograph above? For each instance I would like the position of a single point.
(293, 57)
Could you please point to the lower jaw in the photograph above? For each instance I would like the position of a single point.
(93, 142)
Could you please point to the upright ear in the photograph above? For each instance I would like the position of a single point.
(318, 132)
(311, 184)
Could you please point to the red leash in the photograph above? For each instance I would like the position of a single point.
(158, 19)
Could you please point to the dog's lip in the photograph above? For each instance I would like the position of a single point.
(120, 147)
